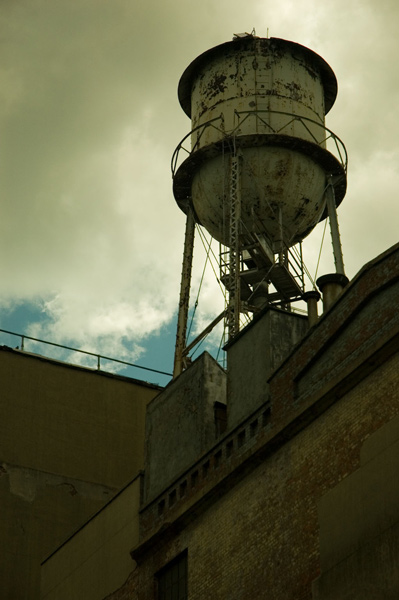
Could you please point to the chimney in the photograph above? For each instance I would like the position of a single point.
(331, 286)
(311, 298)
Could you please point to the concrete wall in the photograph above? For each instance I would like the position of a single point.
(96, 559)
(70, 438)
(180, 423)
(252, 357)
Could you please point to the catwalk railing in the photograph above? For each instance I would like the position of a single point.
(313, 131)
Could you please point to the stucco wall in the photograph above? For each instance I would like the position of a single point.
(69, 439)
(96, 560)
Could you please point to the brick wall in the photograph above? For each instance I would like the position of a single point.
(261, 539)
(252, 529)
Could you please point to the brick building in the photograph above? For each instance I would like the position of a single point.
(275, 479)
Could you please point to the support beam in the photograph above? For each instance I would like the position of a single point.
(184, 293)
(205, 332)
(335, 236)
(233, 311)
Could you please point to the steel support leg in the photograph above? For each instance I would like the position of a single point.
(184, 294)
(335, 236)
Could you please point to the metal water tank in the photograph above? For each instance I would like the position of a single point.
(265, 100)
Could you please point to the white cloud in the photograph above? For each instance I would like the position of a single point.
(89, 119)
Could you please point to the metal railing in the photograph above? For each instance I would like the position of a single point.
(295, 262)
(99, 357)
(338, 147)
(175, 162)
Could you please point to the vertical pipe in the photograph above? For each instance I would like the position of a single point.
(335, 237)
(184, 292)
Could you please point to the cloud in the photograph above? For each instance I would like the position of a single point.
(89, 119)
(85, 223)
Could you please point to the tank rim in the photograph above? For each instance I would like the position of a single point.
(184, 175)
(328, 77)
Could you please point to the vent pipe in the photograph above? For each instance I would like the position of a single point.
(331, 286)
(311, 298)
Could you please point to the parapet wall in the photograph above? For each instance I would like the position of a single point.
(180, 423)
(253, 356)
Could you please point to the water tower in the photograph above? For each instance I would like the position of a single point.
(255, 170)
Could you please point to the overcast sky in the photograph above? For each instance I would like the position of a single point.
(91, 238)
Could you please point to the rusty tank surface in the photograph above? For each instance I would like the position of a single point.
(263, 100)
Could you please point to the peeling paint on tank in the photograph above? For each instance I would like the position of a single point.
(282, 168)
(202, 108)
(295, 90)
(310, 71)
(217, 85)
(299, 215)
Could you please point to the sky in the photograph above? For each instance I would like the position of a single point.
(91, 238)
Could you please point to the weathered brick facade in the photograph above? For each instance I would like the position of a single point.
(265, 512)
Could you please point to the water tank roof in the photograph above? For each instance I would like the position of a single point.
(238, 44)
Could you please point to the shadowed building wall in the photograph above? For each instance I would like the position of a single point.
(70, 438)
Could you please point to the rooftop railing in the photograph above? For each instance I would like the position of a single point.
(98, 357)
